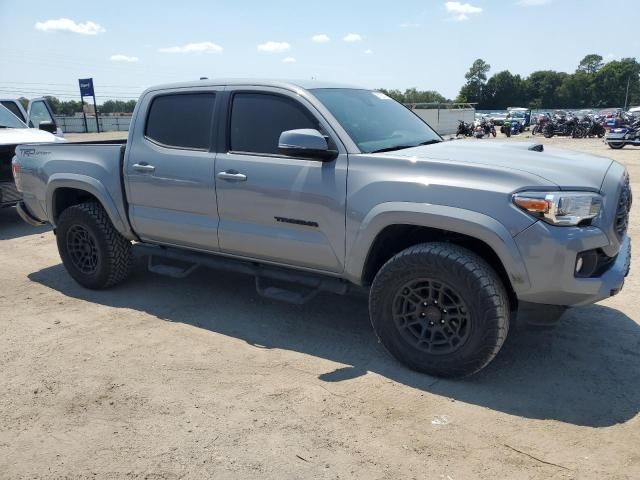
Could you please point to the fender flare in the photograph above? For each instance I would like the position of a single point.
(91, 186)
(453, 219)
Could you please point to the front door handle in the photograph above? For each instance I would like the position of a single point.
(232, 176)
(144, 167)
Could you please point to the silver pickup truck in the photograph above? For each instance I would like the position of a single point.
(313, 187)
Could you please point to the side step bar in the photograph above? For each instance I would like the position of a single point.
(304, 286)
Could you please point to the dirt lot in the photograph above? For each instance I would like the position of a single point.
(202, 378)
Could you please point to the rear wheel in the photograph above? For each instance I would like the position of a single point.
(440, 309)
(616, 145)
(94, 253)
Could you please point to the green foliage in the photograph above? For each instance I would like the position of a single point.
(413, 95)
(71, 107)
(590, 64)
(472, 90)
(594, 84)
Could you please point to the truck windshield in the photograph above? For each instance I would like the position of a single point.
(375, 122)
(9, 120)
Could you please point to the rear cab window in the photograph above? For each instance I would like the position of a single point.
(181, 120)
(13, 108)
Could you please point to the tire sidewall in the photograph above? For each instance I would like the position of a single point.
(482, 314)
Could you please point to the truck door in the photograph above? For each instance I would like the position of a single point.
(39, 112)
(281, 209)
(169, 169)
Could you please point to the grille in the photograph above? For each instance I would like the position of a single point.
(624, 206)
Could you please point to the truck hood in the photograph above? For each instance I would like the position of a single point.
(16, 136)
(564, 169)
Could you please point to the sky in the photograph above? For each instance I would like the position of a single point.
(126, 46)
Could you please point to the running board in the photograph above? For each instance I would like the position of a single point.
(300, 287)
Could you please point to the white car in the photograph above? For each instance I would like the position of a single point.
(14, 131)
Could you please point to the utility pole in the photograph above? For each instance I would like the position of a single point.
(626, 97)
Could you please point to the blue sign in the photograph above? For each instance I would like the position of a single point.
(86, 87)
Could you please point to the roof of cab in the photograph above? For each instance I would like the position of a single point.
(286, 84)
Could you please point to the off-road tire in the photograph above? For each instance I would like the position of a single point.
(472, 279)
(112, 250)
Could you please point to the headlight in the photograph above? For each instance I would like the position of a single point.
(560, 208)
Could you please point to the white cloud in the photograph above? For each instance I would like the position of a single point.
(368, 51)
(320, 38)
(68, 25)
(288, 60)
(123, 58)
(199, 47)
(532, 3)
(461, 10)
(409, 25)
(352, 37)
(274, 47)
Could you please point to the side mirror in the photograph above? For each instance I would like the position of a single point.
(305, 142)
(48, 127)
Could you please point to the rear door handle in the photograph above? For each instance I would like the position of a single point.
(232, 176)
(144, 167)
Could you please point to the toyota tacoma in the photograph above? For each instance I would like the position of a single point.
(320, 187)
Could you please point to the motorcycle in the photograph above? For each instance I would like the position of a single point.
(628, 134)
(541, 122)
(564, 127)
(511, 127)
(465, 129)
(489, 128)
(594, 127)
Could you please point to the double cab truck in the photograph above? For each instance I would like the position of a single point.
(321, 187)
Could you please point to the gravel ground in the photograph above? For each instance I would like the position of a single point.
(201, 378)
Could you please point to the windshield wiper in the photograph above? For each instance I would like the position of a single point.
(400, 147)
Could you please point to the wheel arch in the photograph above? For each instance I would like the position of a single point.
(390, 228)
(75, 189)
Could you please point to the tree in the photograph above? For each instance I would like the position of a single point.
(413, 95)
(610, 83)
(541, 88)
(590, 64)
(503, 90)
(476, 78)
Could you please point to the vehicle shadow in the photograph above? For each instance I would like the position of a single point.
(585, 372)
(12, 226)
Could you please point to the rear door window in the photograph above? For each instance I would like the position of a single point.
(181, 120)
(258, 119)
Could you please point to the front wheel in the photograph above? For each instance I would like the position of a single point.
(94, 253)
(616, 145)
(534, 130)
(440, 309)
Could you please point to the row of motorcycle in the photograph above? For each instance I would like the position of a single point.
(485, 126)
(570, 126)
(624, 129)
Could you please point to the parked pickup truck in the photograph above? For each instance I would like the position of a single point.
(311, 187)
(37, 125)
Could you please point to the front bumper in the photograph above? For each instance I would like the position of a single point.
(550, 255)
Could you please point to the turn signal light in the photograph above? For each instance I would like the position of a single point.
(533, 205)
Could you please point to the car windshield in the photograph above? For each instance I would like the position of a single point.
(374, 121)
(9, 120)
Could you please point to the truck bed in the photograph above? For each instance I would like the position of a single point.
(98, 164)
